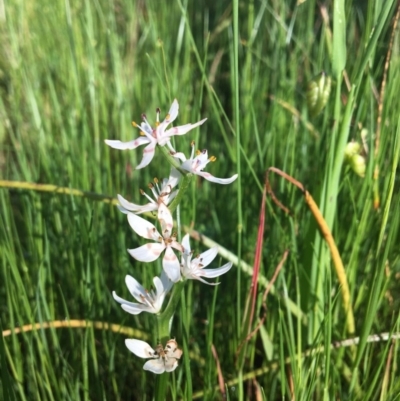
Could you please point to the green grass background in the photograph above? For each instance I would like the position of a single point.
(75, 73)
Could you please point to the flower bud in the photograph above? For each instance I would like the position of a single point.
(351, 149)
(318, 92)
(358, 164)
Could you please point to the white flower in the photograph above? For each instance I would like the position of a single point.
(195, 165)
(153, 136)
(163, 192)
(193, 269)
(163, 359)
(150, 252)
(148, 301)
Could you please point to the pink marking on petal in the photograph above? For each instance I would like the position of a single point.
(156, 251)
(148, 154)
(149, 149)
(176, 245)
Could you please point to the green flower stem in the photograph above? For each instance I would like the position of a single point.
(161, 386)
(163, 325)
(173, 162)
(164, 319)
(187, 177)
(184, 185)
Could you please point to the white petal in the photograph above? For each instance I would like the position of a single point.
(174, 177)
(183, 129)
(211, 273)
(146, 128)
(171, 265)
(176, 245)
(186, 263)
(126, 206)
(162, 285)
(148, 252)
(201, 280)
(165, 218)
(148, 154)
(169, 198)
(158, 285)
(166, 282)
(173, 112)
(118, 298)
(122, 210)
(186, 243)
(171, 364)
(132, 305)
(142, 140)
(121, 300)
(211, 178)
(181, 157)
(136, 309)
(135, 288)
(139, 348)
(155, 366)
(206, 257)
(148, 207)
(143, 227)
(172, 350)
(132, 308)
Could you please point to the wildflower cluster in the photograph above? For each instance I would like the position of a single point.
(179, 263)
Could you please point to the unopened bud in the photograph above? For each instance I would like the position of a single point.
(358, 164)
(351, 149)
(318, 92)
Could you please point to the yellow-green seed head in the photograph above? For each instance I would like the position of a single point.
(351, 149)
(358, 164)
(318, 92)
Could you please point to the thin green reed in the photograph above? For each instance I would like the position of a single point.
(339, 137)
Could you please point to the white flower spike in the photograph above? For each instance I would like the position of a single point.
(150, 252)
(193, 269)
(161, 192)
(149, 301)
(162, 359)
(153, 136)
(196, 164)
